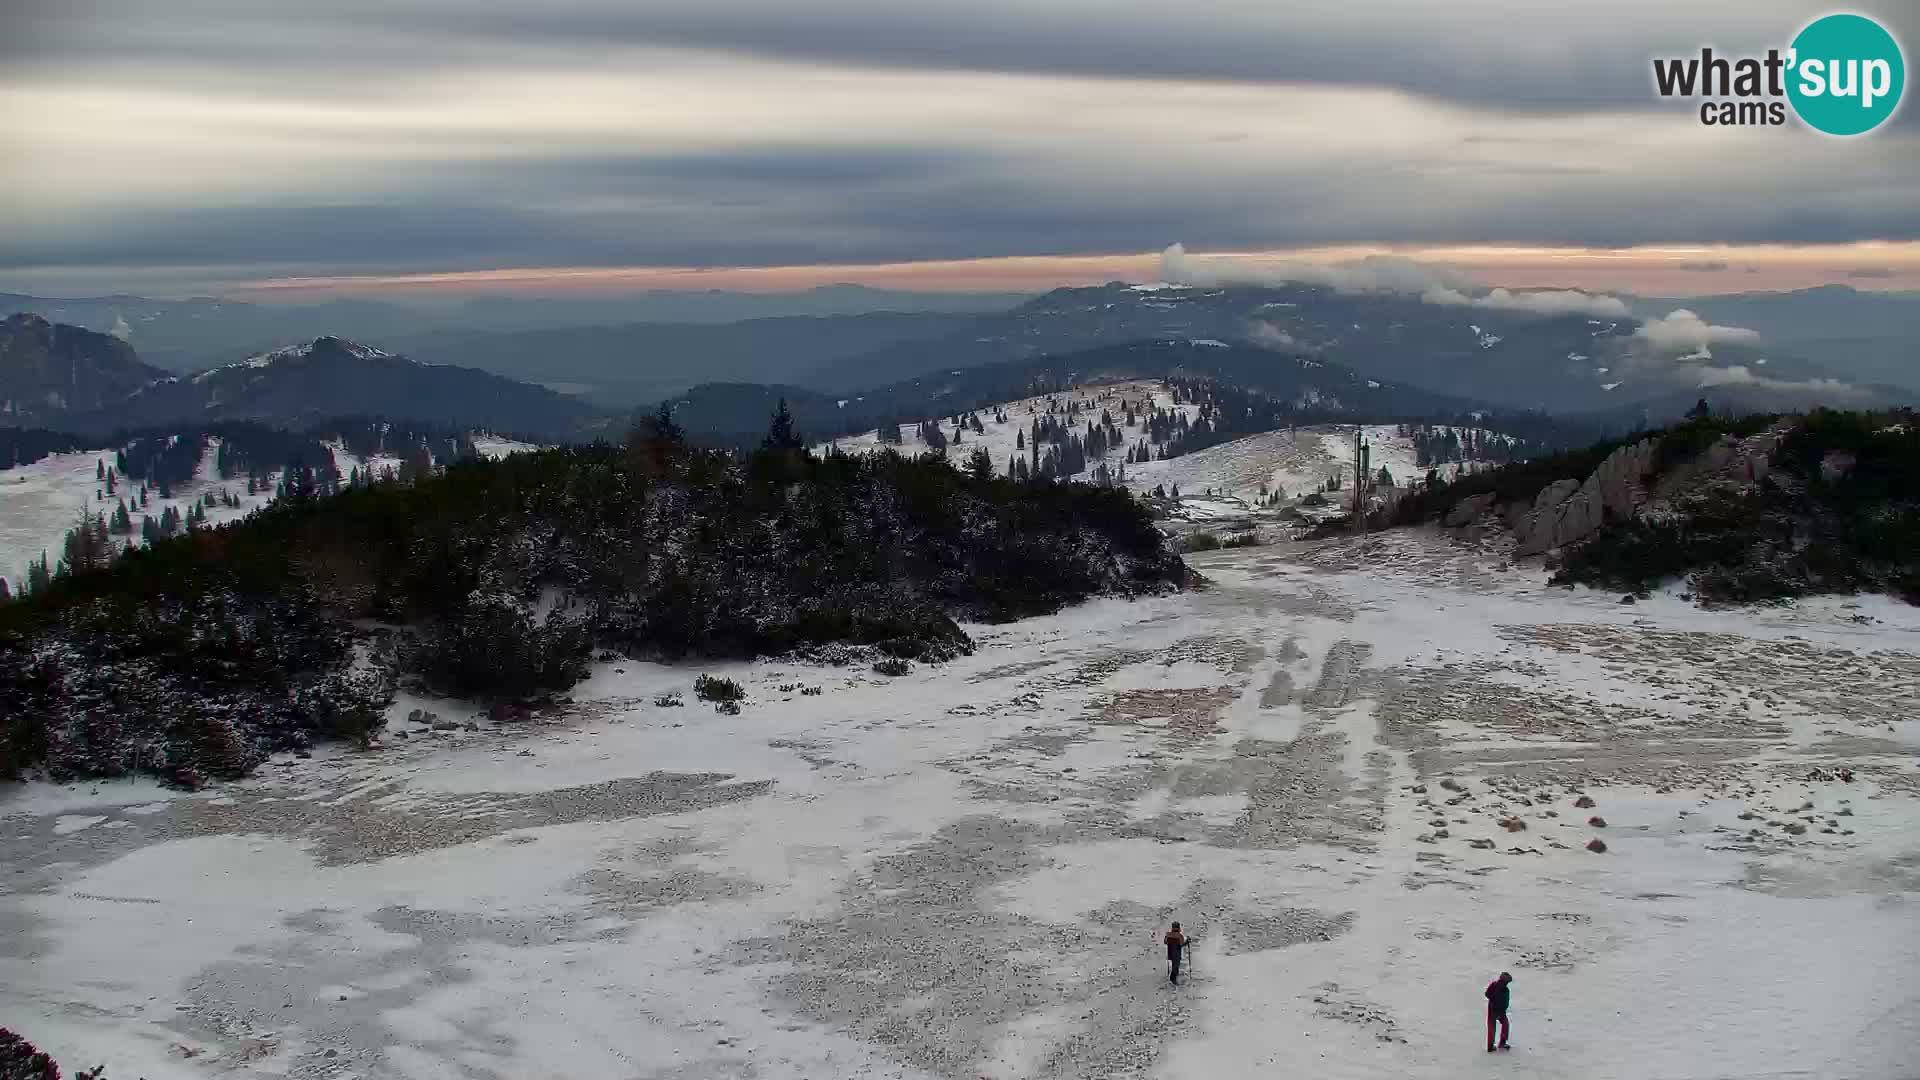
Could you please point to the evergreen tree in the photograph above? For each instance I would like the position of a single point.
(980, 464)
(87, 547)
(780, 431)
(5, 594)
(417, 464)
(38, 576)
(99, 469)
(1019, 440)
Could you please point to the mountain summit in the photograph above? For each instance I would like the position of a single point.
(49, 372)
(76, 380)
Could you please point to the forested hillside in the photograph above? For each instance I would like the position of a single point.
(199, 654)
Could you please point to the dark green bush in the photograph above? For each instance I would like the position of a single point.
(708, 688)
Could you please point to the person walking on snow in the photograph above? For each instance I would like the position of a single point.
(1497, 994)
(1176, 943)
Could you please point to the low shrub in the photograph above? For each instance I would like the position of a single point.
(21, 1060)
(708, 688)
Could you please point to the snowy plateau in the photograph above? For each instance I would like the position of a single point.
(1367, 774)
(1364, 773)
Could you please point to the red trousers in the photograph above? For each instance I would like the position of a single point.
(1496, 1018)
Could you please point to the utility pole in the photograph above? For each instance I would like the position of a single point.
(1359, 481)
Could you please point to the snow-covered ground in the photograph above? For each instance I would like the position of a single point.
(1003, 440)
(40, 502)
(492, 446)
(1219, 482)
(961, 873)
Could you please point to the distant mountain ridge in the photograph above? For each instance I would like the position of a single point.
(627, 364)
(289, 387)
(50, 372)
(188, 335)
(1312, 387)
(1505, 355)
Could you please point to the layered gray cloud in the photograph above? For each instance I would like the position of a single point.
(362, 136)
(1497, 53)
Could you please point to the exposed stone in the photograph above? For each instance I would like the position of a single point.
(1597, 846)
(1565, 511)
(1466, 510)
(1584, 802)
(1597, 821)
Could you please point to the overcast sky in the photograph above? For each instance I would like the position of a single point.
(193, 144)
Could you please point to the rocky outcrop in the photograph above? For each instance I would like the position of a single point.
(1566, 512)
(1729, 462)
(1467, 509)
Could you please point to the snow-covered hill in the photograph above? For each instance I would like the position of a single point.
(1364, 776)
(1229, 479)
(40, 502)
(1006, 441)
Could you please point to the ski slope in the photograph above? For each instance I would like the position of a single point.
(962, 873)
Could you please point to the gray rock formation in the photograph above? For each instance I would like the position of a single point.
(1565, 512)
(1467, 509)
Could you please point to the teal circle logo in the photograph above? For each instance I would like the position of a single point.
(1845, 74)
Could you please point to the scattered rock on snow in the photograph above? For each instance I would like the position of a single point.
(1584, 802)
(1597, 846)
(1597, 821)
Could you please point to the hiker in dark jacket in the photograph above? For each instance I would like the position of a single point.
(1497, 994)
(1176, 943)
